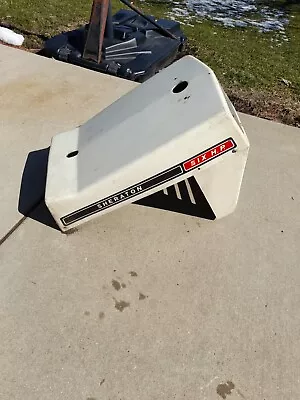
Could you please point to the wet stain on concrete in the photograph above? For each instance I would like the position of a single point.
(142, 296)
(101, 315)
(121, 305)
(225, 389)
(133, 273)
(116, 284)
(87, 313)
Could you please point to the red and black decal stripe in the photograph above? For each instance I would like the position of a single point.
(152, 182)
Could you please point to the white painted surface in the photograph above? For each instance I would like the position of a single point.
(147, 132)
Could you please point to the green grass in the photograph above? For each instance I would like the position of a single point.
(246, 59)
(45, 17)
(243, 59)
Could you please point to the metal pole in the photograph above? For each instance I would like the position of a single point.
(95, 35)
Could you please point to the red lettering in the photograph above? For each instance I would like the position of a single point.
(207, 155)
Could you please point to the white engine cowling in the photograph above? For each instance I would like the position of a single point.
(178, 124)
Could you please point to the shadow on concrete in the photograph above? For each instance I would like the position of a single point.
(181, 201)
(32, 191)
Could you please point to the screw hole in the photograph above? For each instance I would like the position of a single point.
(72, 154)
(180, 87)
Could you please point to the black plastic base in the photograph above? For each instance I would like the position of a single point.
(136, 52)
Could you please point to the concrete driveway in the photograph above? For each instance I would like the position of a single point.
(142, 303)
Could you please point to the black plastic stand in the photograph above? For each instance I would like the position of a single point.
(129, 44)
